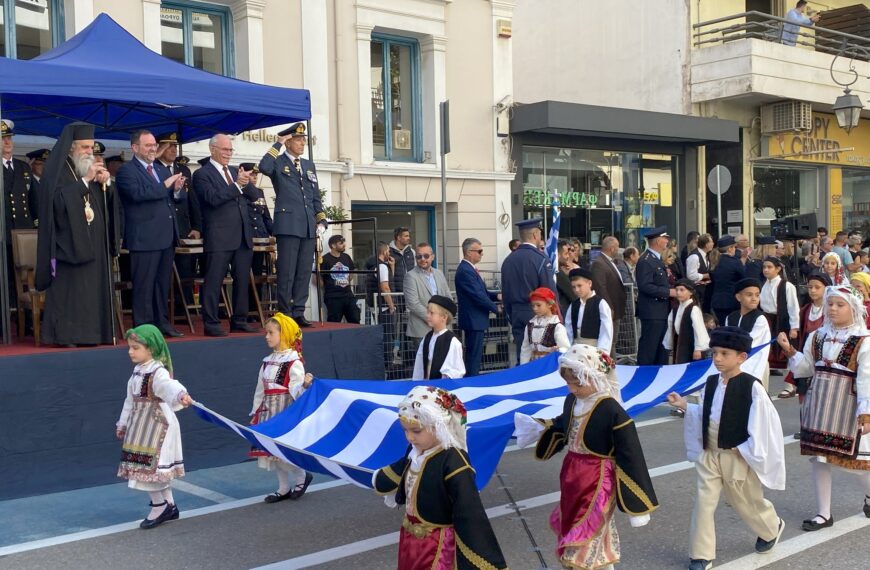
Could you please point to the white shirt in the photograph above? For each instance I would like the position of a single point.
(605, 334)
(453, 367)
(768, 300)
(693, 263)
(757, 365)
(383, 277)
(7, 162)
(220, 168)
(153, 170)
(702, 337)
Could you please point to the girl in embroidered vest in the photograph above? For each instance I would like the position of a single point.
(811, 319)
(734, 437)
(832, 266)
(151, 453)
(445, 525)
(281, 381)
(440, 352)
(861, 282)
(687, 335)
(603, 469)
(780, 305)
(545, 332)
(835, 415)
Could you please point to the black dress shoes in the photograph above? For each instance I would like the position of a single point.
(173, 333)
(866, 506)
(215, 332)
(299, 490)
(166, 515)
(277, 497)
(242, 327)
(810, 525)
(302, 321)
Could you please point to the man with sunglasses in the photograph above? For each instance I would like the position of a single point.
(475, 304)
(419, 284)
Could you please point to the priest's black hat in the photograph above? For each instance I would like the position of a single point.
(734, 338)
(83, 132)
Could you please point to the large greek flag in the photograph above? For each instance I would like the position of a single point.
(349, 428)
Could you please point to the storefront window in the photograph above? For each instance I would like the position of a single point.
(601, 193)
(420, 220)
(782, 191)
(856, 200)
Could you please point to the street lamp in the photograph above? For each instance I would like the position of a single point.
(848, 107)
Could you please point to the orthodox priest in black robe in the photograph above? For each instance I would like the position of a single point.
(75, 243)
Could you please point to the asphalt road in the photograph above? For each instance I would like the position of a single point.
(225, 525)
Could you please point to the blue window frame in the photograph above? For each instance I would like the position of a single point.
(30, 27)
(396, 115)
(198, 35)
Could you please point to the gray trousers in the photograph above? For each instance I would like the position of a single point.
(295, 260)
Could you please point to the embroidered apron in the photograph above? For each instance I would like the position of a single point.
(140, 451)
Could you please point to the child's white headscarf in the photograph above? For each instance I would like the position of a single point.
(856, 302)
(438, 410)
(590, 365)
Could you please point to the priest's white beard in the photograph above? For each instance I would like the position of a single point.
(82, 163)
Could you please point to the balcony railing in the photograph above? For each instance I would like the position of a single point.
(758, 25)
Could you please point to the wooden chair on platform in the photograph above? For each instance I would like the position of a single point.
(121, 285)
(265, 307)
(28, 298)
(192, 247)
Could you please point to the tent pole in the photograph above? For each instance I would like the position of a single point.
(318, 245)
(5, 317)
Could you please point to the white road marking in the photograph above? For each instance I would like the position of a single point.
(798, 544)
(202, 492)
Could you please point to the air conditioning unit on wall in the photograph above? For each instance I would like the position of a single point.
(786, 116)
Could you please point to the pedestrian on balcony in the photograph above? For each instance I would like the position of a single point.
(796, 18)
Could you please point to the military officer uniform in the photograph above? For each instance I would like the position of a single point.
(523, 271)
(36, 158)
(21, 212)
(298, 211)
(261, 222)
(653, 303)
(728, 271)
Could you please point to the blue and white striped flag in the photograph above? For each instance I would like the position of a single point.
(552, 247)
(349, 428)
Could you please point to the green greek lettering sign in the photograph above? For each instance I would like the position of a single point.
(537, 197)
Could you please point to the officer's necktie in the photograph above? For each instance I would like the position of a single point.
(227, 175)
(298, 165)
(9, 166)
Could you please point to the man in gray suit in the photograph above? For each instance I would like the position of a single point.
(298, 218)
(420, 284)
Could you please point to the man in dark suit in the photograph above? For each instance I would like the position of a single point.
(298, 218)
(523, 271)
(728, 271)
(147, 192)
(224, 192)
(475, 304)
(187, 210)
(607, 282)
(653, 299)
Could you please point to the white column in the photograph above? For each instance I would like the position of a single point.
(364, 64)
(248, 39)
(77, 15)
(151, 25)
(433, 64)
(502, 85)
(315, 72)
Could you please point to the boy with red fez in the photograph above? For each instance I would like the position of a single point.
(545, 332)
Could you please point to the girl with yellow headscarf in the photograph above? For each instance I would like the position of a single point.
(281, 381)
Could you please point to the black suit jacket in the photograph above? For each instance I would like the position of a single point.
(187, 211)
(226, 224)
(149, 212)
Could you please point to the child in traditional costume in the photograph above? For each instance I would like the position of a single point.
(734, 436)
(780, 305)
(832, 266)
(445, 524)
(440, 352)
(589, 319)
(151, 453)
(835, 415)
(861, 282)
(281, 381)
(545, 332)
(811, 318)
(687, 335)
(604, 468)
(751, 319)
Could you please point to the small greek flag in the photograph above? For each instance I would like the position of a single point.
(552, 247)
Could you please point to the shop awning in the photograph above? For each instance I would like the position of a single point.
(574, 119)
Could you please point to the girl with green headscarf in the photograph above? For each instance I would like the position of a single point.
(281, 381)
(151, 454)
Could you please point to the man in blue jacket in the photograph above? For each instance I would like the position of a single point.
(147, 192)
(728, 271)
(653, 299)
(475, 304)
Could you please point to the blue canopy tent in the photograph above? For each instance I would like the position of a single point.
(105, 76)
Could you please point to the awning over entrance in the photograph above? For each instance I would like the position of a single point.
(574, 119)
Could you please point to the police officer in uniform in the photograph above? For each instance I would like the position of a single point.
(36, 160)
(653, 299)
(298, 218)
(728, 271)
(20, 200)
(523, 271)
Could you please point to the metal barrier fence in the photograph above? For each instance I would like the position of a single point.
(625, 348)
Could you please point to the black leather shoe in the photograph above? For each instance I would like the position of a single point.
(161, 518)
(810, 525)
(300, 489)
(277, 497)
(302, 321)
(866, 507)
(764, 546)
(175, 513)
(173, 333)
(242, 327)
(699, 564)
(215, 332)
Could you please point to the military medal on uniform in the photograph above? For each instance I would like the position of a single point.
(89, 212)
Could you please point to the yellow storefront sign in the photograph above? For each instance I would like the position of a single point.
(823, 144)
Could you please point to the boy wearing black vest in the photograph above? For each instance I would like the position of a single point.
(734, 436)
(440, 352)
(588, 319)
(750, 318)
(687, 335)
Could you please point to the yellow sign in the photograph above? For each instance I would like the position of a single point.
(835, 183)
(823, 143)
(651, 196)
